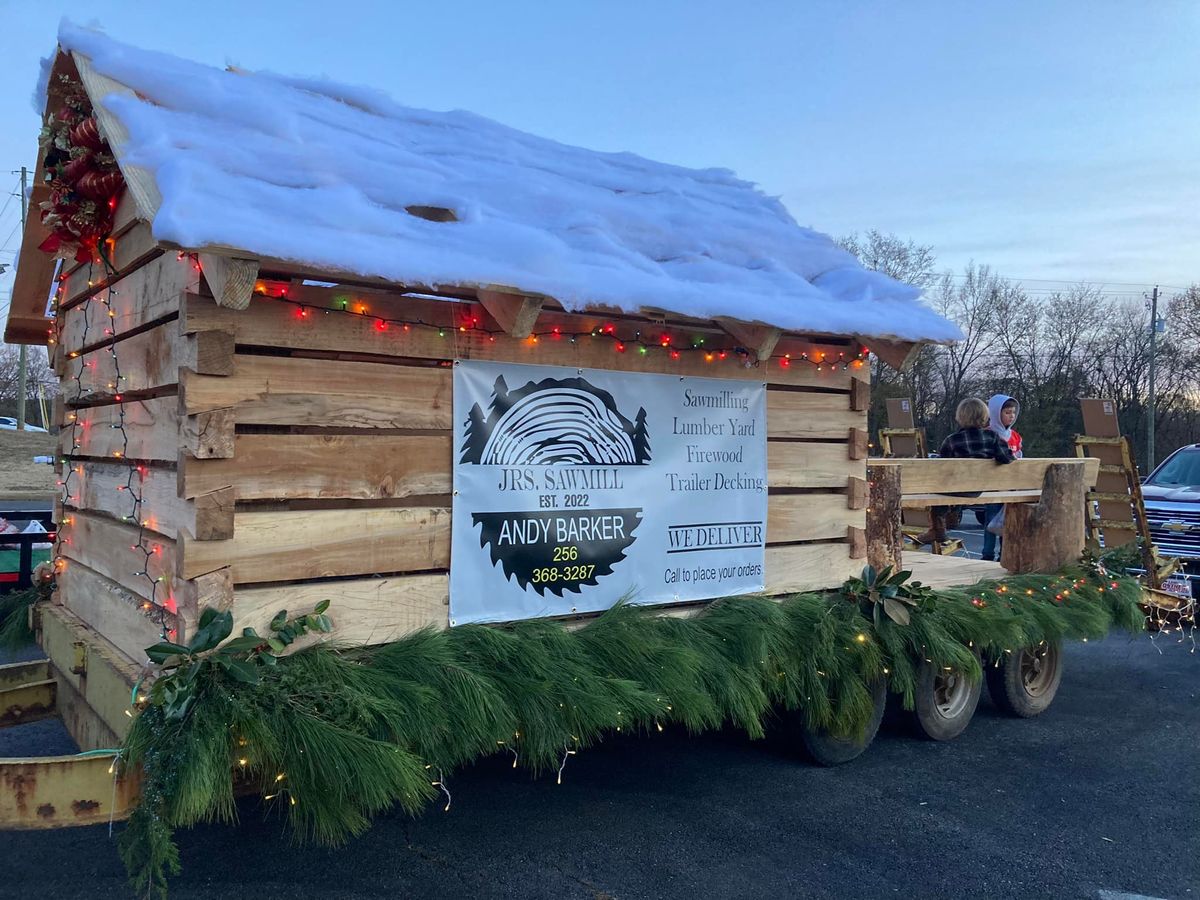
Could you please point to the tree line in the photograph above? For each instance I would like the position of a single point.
(1047, 350)
(37, 374)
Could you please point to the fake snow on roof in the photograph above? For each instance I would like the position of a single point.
(321, 174)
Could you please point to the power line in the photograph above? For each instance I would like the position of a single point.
(13, 193)
(4, 243)
(1068, 282)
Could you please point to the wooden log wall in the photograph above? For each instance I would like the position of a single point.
(288, 454)
(341, 461)
(119, 352)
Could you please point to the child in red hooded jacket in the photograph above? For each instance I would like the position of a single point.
(1003, 411)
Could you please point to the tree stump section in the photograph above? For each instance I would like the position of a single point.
(1047, 535)
(885, 539)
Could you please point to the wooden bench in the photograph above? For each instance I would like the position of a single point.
(1040, 495)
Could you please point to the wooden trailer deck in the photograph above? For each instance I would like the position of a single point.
(951, 571)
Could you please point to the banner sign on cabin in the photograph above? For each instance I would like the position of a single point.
(576, 488)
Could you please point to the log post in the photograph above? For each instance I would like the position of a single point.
(884, 536)
(1047, 535)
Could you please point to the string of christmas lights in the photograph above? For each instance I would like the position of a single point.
(135, 471)
(641, 342)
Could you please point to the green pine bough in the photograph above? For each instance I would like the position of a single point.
(15, 632)
(335, 736)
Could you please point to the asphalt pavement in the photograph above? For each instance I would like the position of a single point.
(1096, 798)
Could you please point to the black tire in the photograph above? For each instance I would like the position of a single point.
(945, 703)
(1025, 681)
(826, 749)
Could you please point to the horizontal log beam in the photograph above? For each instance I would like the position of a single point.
(279, 546)
(112, 489)
(273, 390)
(796, 465)
(940, 476)
(148, 294)
(316, 466)
(278, 323)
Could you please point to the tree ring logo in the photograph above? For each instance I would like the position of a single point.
(567, 423)
(556, 421)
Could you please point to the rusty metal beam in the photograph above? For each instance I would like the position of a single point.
(61, 791)
(28, 702)
(17, 674)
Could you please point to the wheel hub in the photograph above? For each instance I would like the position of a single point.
(951, 693)
(1039, 665)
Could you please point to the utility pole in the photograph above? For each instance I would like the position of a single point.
(1150, 405)
(23, 359)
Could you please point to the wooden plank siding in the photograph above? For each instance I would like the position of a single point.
(127, 252)
(378, 610)
(151, 293)
(146, 361)
(124, 617)
(292, 458)
(292, 545)
(276, 323)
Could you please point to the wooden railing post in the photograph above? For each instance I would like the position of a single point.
(884, 536)
(1047, 535)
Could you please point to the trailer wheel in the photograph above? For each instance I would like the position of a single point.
(1025, 681)
(945, 702)
(827, 749)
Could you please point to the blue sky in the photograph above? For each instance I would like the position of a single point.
(1054, 141)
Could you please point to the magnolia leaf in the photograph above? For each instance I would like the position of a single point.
(904, 575)
(889, 591)
(249, 632)
(896, 611)
(324, 623)
(277, 645)
(876, 609)
(242, 644)
(215, 629)
(241, 670)
(207, 616)
(885, 574)
(868, 574)
(279, 620)
(321, 607)
(161, 652)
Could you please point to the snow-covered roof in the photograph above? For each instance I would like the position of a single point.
(322, 174)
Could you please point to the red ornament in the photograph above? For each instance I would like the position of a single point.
(87, 134)
(78, 167)
(99, 186)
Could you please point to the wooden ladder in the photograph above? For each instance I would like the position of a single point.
(916, 434)
(1157, 570)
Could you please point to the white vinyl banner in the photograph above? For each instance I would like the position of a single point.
(574, 489)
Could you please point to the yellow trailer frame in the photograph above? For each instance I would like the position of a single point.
(88, 684)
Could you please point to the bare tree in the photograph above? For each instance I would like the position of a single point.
(911, 263)
(38, 374)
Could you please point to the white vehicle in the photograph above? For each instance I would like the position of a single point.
(8, 423)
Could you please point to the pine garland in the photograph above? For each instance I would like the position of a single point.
(334, 737)
(15, 632)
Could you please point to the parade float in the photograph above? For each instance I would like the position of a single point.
(392, 438)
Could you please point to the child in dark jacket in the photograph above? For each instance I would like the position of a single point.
(973, 440)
